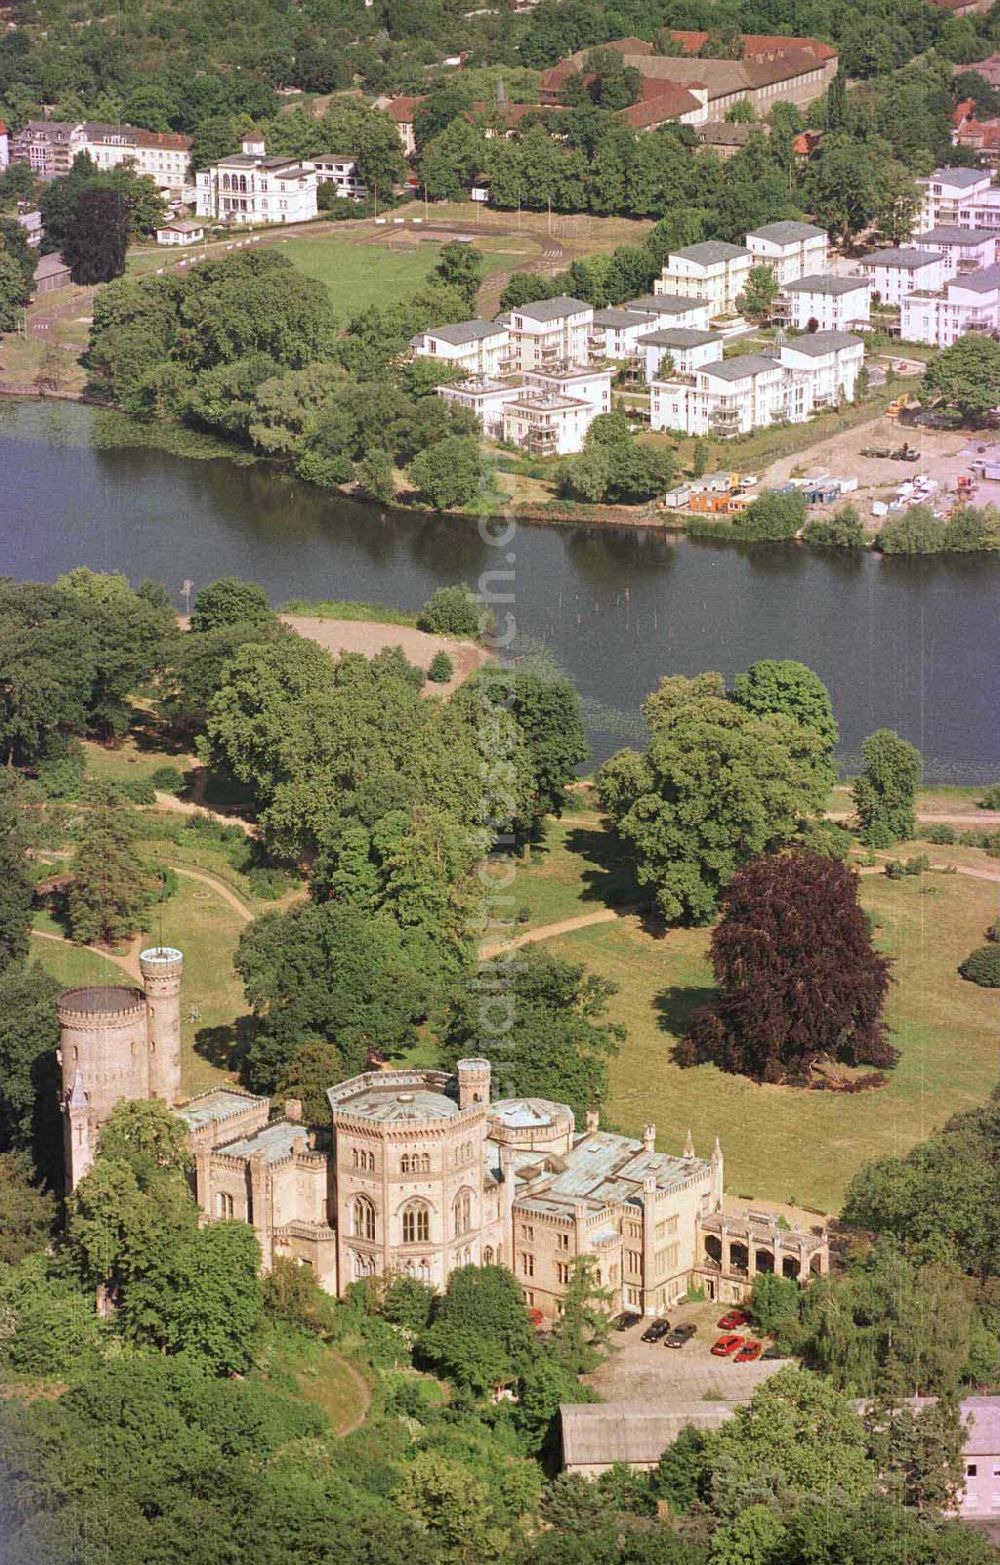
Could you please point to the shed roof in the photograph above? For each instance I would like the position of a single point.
(221, 1103)
(275, 1141)
(599, 1433)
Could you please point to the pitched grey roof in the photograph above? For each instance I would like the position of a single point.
(819, 342)
(983, 281)
(786, 233)
(826, 282)
(679, 337)
(901, 256)
(666, 303)
(552, 309)
(739, 368)
(597, 1434)
(961, 178)
(466, 331)
(709, 253)
(950, 234)
(615, 317)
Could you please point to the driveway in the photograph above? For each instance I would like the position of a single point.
(648, 1373)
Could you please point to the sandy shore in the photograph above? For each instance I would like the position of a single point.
(348, 635)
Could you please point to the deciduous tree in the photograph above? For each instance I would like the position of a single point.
(886, 790)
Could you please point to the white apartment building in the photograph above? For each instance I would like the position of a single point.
(825, 365)
(970, 303)
(714, 271)
(946, 192)
(4, 146)
(688, 346)
(163, 155)
(791, 249)
(576, 381)
(616, 332)
(480, 348)
(340, 170)
(550, 332)
(48, 147)
(834, 303)
(671, 309)
(250, 187)
(485, 398)
(962, 249)
(734, 396)
(894, 273)
(981, 210)
(547, 424)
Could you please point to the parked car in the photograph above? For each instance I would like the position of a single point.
(727, 1344)
(655, 1330)
(623, 1322)
(750, 1350)
(679, 1335)
(732, 1319)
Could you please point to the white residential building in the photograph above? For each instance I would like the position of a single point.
(550, 332)
(480, 348)
(734, 396)
(894, 273)
(688, 346)
(962, 249)
(578, 381)
(981, 210)
(671, 309)
(183, 231)
(164, 155)
(714, 271)
(340, 170)
(547, 424)
(791, 249)
(825, 365)
(48, 146)
(485, 398)
(4, 146)
(250, 187)
(970, 303)
(834, 303)
(616, 332)
(946, 191)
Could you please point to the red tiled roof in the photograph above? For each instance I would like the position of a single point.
(402, 110)
(806, 142)
(3, 128)
(963, 111)
(659, 107)
(171, 140)
(514, 113)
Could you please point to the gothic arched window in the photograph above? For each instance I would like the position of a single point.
(462, 1212)
(416, 1223)
(363, 1218)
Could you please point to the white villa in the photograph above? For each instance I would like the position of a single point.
(791, 249)
(615, 332)
(545, 423)
(485, 398)
(590, 384)
(671, 309)
(550, 331)
(480, 348)
(834, 303)
(688, 346)
(713, 271)
(962, 249)
(968, 303)
(733, 396)
(894, 273)
(182, 231)
(49, 147)
(948, 193)
(250, 187)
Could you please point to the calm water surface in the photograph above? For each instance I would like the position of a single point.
(907, 644)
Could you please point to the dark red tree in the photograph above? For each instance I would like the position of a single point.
(799, 975)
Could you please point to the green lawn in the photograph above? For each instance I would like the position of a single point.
(360, 274)
(783, 1144)
(73, 966)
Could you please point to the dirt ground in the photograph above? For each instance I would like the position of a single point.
(343, 635)
(943, 455)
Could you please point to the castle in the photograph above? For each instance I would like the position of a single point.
(421, 1172)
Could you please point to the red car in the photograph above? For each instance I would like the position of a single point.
(732, 1319)
(750, 1350)
(727, 1345)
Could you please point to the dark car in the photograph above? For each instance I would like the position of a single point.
(680, 1335)
(773, 1353)
(655, 1330)
(623, 1322)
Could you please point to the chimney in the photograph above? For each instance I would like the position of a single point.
(293, 1109)
(649, 1138)
(688, 1146)
(593, 1119)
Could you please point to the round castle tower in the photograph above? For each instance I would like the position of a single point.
(115, 1042)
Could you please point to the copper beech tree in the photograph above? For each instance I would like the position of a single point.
(799, 975)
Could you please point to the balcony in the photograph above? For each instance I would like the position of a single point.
(542, 440)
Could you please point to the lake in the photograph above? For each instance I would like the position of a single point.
(910, 644)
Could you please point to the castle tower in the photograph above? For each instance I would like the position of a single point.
(473, 1082)
(103, 1057)
(716, 1165)
(161, 968)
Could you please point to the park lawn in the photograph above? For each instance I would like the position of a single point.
(320, 1374)
(130, 761)
(780, 1143)
(570, 873)
(73, 965)
(360, 273)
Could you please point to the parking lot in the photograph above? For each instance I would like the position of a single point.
(648, 1372)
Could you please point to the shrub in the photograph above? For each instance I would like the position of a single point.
(441, 668)
(268, 884)
(983, 967)
(993, 933)
(772, 517)
(894, 870)
(137, 790)
(166, 882)
(917, 531)
(941, 836)
(63, 777)
(843, 530)
(989, 801)
(168, 779)
(452, 611)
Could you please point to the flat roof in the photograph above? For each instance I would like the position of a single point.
(788, 232)
(903, 256)
(552, 309)
(92, 999)
(221, 1103)
(739, 368)
(527, 1113)
(709, 253)
(826, 282)
(275, 1141)
(395, 1102)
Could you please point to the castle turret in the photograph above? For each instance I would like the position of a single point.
(104, 1058)
(161, 968)
(473, 1082)
(717, 1175)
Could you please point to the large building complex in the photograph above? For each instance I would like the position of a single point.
(251, 187)
(49, 147)
(420, 1173)
(728, 397)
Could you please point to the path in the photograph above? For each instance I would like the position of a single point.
(170, 801)
(971, 819)
(218, 886)
(129, 963)
(565, 926)
(364, 1390)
